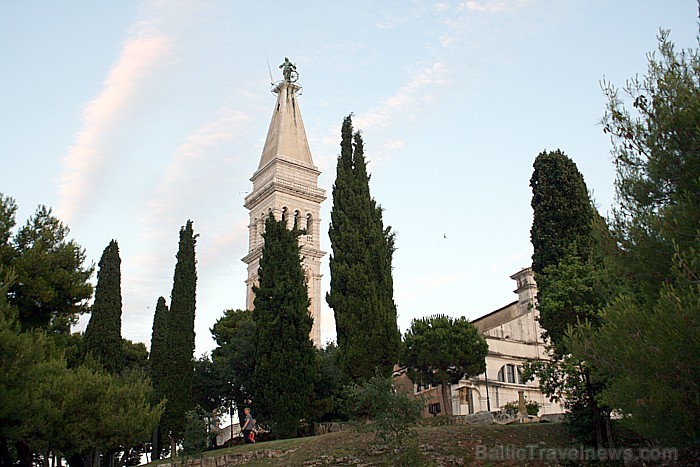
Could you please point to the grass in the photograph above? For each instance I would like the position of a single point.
(434, 445)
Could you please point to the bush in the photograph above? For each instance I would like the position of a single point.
(196, 436)
(532, 407)
(391, 416)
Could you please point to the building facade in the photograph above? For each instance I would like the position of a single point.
(286, 186)
(514, 336)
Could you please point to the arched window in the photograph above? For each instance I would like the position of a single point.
(309, 225)
(510, 374)
(297, 220)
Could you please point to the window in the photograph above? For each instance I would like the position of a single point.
(434, 408)
(510, 369)
(507, 374)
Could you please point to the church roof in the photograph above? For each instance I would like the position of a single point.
(286, 137)
(498, 317)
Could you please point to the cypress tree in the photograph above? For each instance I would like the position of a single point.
(361, 295)
(180, 339)
(562, 210)
(285, 364)
(103, 333)
(157, 365)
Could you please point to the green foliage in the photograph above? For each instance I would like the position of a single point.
(439, 349)
(103, 333)
(656, 150)
(362, 291)
(206, 385)
(568, 380)
(285, 361)
(48, 406)
(568, 239)
(647, 343)
(8, 210)
(390, 415)
(513, 407)
(234, 358)
(327, 401)
(135, 356)
(158, 357)
(575, 290)
(52, 285)
(158, 367)
(562, 211)
(196, 436)
(179, 337)
(651, 357)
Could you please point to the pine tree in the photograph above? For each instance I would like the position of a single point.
(361, 292)
(103, 333)
(649, 338)
(180, 338)
(157, 365)
(52, 285)
(285, 361)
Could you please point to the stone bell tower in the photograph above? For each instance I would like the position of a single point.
(286, 185)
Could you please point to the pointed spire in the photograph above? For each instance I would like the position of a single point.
(286, 136)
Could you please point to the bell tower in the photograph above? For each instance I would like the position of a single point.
(286, 185)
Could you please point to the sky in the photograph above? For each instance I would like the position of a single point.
(128, 118)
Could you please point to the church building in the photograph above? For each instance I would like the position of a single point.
(286, 185)
(514, 336)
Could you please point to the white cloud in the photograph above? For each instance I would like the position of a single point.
(407, 100)
(494, 6)
(88, 156)
(197, 168)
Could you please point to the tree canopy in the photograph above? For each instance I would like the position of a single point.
(179, 338)
(103, 333)
(648, 342)
(562, 210)
(52, 286)
(234, 357)
(440, 349)
(285, 361)
(362, 290)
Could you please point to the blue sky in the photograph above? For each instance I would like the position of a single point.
(130, 117)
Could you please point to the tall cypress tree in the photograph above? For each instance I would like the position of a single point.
(103, 333)
(180, 338)
(361, 294)
(562, 241)
(285, 362)
(157, 365)
(562, 210)
(572, 284)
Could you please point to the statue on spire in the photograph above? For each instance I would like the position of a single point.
(289, 71)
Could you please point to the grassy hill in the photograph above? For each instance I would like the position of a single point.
(535, 444)
(434, 445)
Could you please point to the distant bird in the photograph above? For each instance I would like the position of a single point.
(444, 235)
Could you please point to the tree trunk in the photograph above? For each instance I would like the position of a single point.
(230, 414)
(24, 454)
(447, 398)
(45, 458)
(5, 457)
(597, 416)
(155, 445)
(173, 450)
(608, 429)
